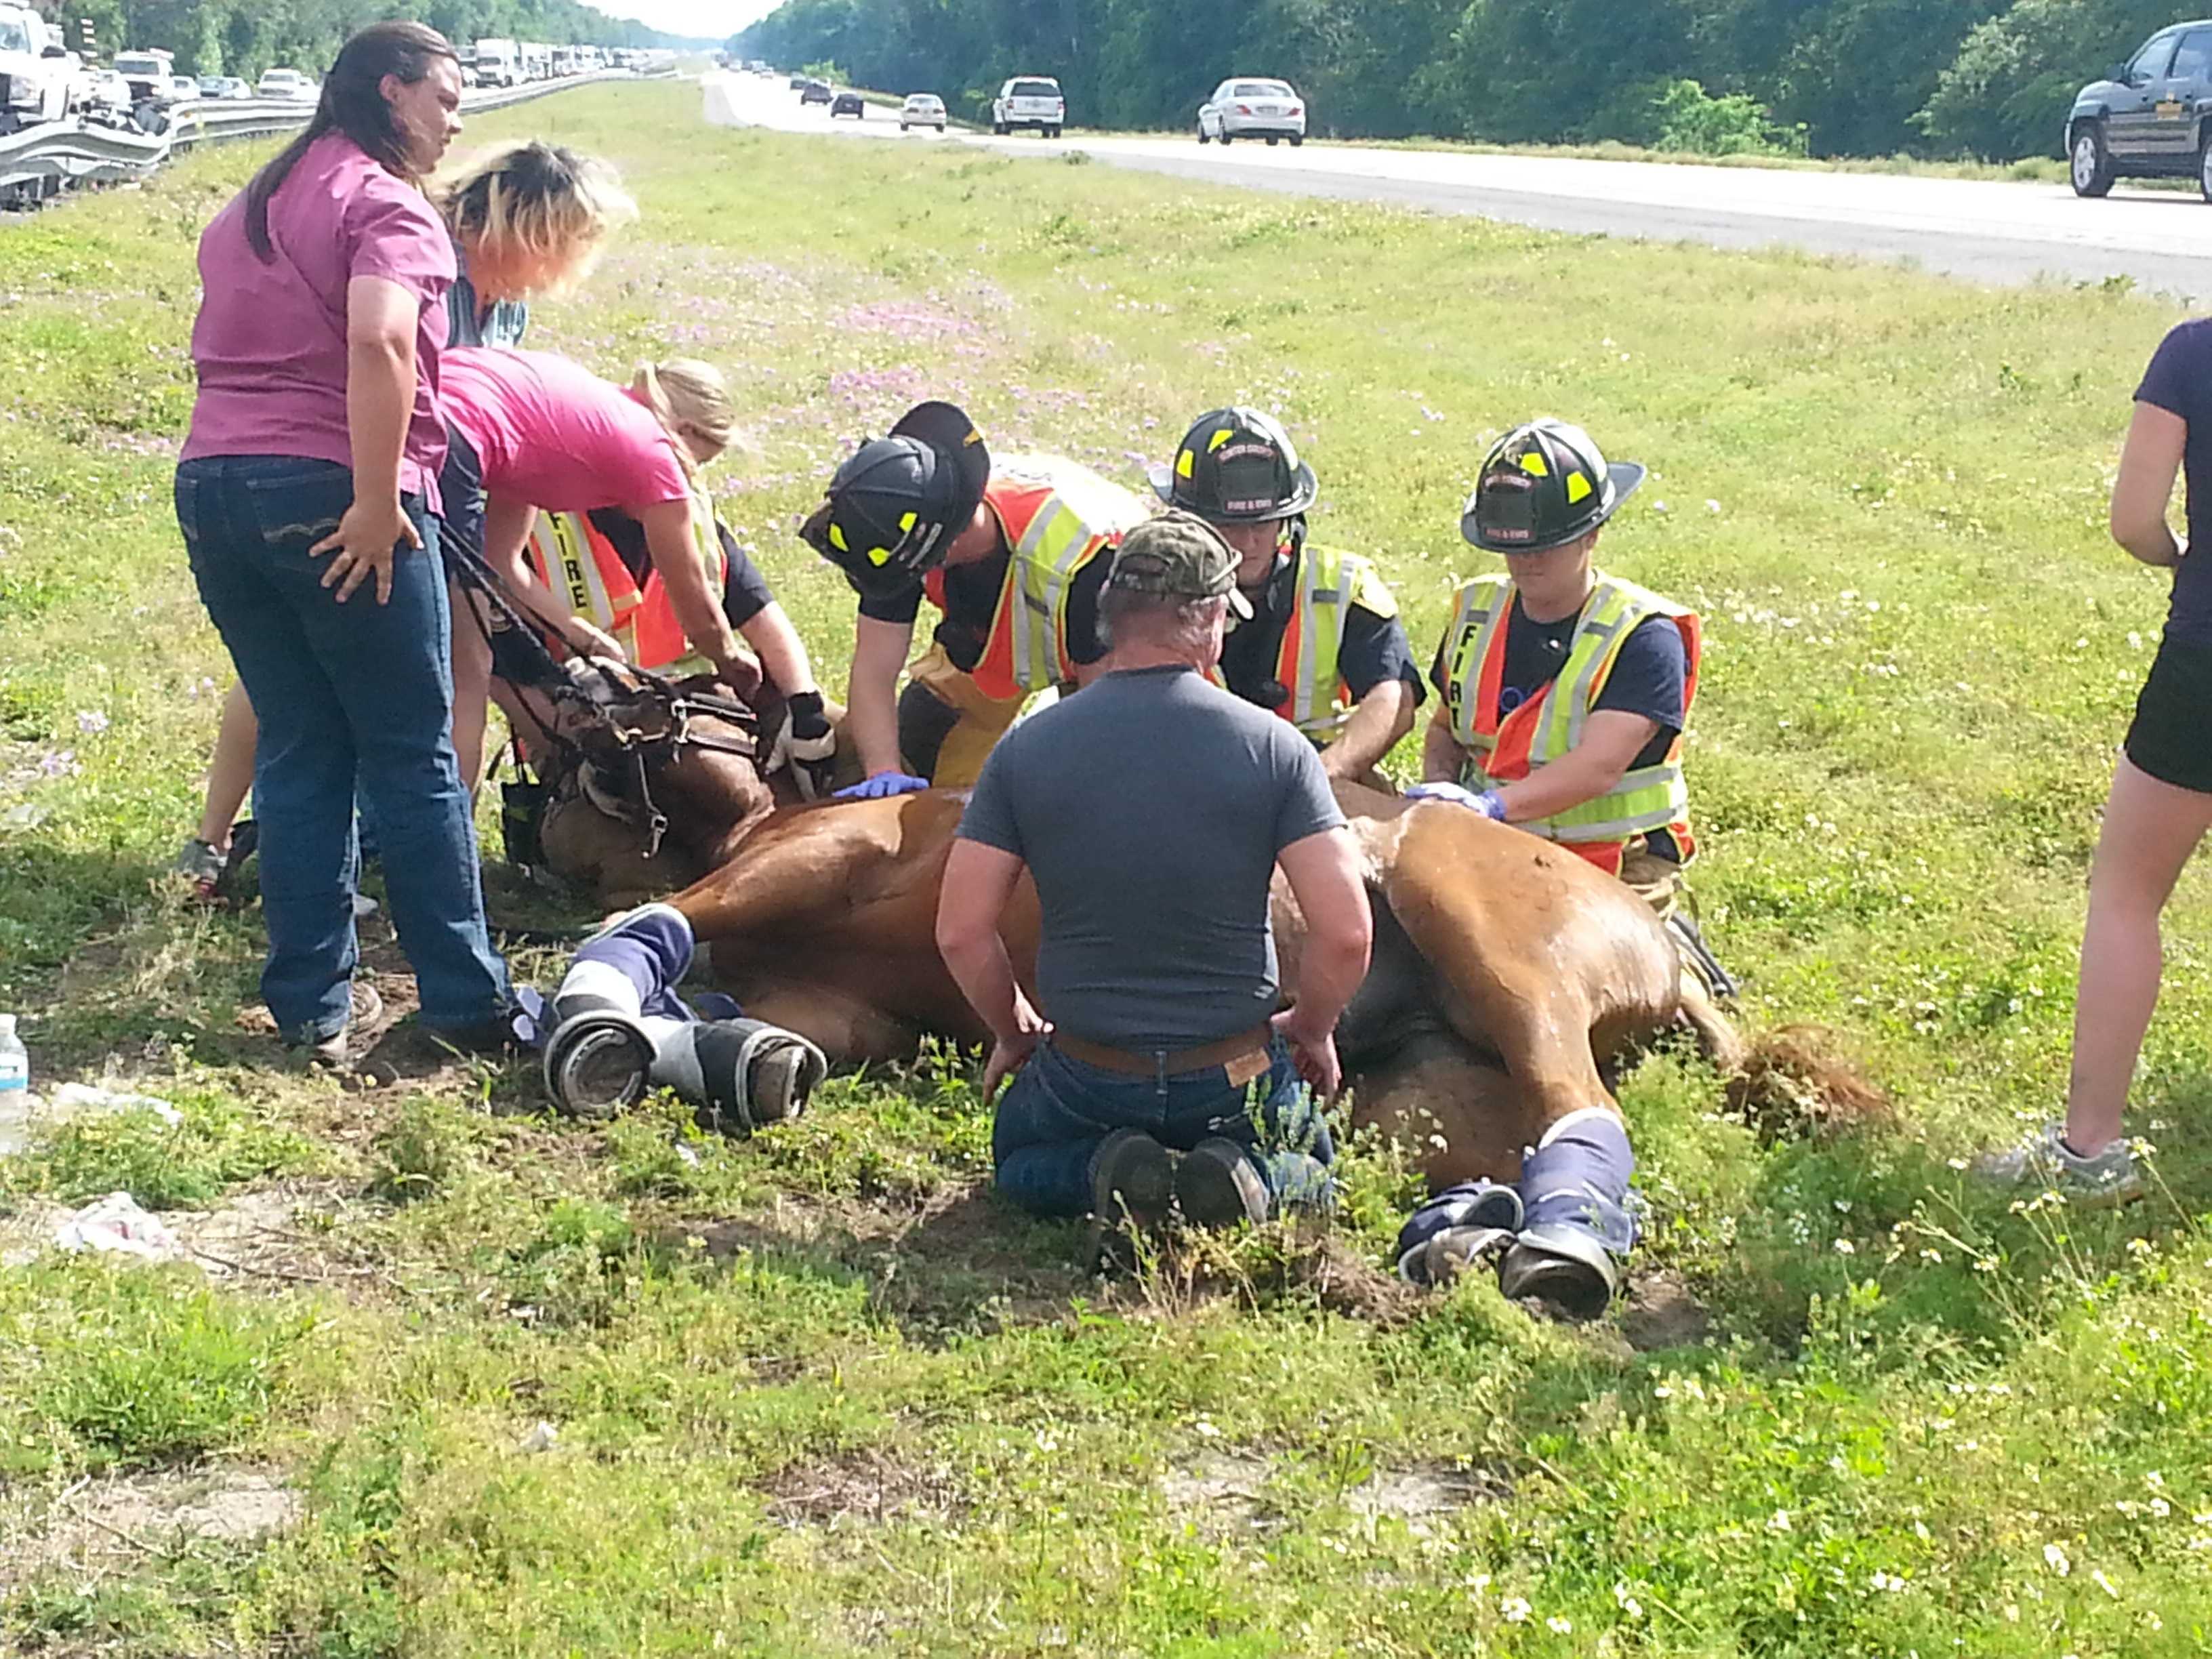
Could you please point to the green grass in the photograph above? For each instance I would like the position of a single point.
(819, 1393)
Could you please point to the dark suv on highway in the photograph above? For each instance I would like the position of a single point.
(2152, 119)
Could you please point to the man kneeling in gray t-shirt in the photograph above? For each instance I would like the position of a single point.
(1152, 809)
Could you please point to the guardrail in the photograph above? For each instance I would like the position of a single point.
(42, 162)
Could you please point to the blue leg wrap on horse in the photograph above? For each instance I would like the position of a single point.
(632, 965)
(1469, 1204)
(1578, 1177)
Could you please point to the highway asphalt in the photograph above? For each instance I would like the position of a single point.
(1987, 232)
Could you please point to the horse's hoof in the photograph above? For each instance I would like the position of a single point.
(597, 1066)
(1444, 1257)
(1567, 1267)
(781, 1080)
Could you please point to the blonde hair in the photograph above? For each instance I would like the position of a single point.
(690, 397)
(531, 217)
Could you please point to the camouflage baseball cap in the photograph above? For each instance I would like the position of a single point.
(1178, 555)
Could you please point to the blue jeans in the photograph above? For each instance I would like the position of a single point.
(342, 691)
(1057, 1110)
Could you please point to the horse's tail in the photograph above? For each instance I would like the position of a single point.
(1791, 1080)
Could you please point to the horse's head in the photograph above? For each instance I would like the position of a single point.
(678, 759)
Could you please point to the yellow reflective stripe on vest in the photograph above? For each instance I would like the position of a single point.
(1328, 580)
(562, 544)
(1606, 622)
(1082, 510)
(1478, 612)
(1650, 798)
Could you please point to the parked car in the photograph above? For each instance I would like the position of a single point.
(1253, 109)
(36, 80)
(1029, 100)
(183, 89)
(799, 82)
(849, 103)
(922, 109)
(2151, 117)
(287, 85)
(814, 92)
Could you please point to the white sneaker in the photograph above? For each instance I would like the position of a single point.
(2110, 1177)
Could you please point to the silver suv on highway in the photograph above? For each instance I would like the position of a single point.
(2150, 118)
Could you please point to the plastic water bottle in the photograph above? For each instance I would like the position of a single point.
(14, 1088)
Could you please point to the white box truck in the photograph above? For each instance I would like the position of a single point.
(499, 64)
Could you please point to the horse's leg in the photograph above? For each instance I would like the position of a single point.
(1524, 994)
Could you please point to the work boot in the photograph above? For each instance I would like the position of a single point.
(1220, 1186)
(2044, 1160)
(1132, 1177)
(364, 1008)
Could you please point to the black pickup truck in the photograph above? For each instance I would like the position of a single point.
(2150, 118)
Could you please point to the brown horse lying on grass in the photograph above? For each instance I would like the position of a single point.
(1509, 978)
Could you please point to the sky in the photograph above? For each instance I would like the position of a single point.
(705, 19)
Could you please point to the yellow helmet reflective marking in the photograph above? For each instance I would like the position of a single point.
(1578, 489)
(1533, 464)
(1183, 464)
(906, 522)
(837, 538)
(879, 556)
(1220, 438)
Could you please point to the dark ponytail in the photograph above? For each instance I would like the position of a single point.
(353, 103)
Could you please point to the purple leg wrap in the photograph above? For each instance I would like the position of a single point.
(1578, 1177)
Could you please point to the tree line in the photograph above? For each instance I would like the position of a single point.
(245, 37)
(1991, 78)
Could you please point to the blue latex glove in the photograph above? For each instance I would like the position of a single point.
(883, 785)
(1489, 803)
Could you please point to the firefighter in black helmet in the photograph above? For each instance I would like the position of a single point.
(1566, 690)
(1007, 549)
(1324, 648)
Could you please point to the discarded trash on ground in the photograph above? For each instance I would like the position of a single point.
(117, 1225)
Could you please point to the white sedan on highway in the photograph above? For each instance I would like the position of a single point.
(1253, 109)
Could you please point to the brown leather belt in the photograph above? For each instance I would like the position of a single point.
(1246, 1054)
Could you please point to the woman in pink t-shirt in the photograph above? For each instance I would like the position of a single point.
(538, 433)
(308, 494)
(525, 220)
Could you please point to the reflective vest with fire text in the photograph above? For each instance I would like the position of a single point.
(582, 566)
(1504, 748)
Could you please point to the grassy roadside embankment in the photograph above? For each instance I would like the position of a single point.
(817, 1393)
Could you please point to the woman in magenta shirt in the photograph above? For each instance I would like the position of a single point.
(308, 494)
(530, 430)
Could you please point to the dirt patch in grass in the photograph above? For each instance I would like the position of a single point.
(146, 1517)
(864, 1487)
(1661, 1313)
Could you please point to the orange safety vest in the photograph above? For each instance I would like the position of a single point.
(580, 565)
(1506, 749)
(1056, 516)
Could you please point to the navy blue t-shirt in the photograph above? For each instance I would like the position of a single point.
(2179, 381)
(1650, 677)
